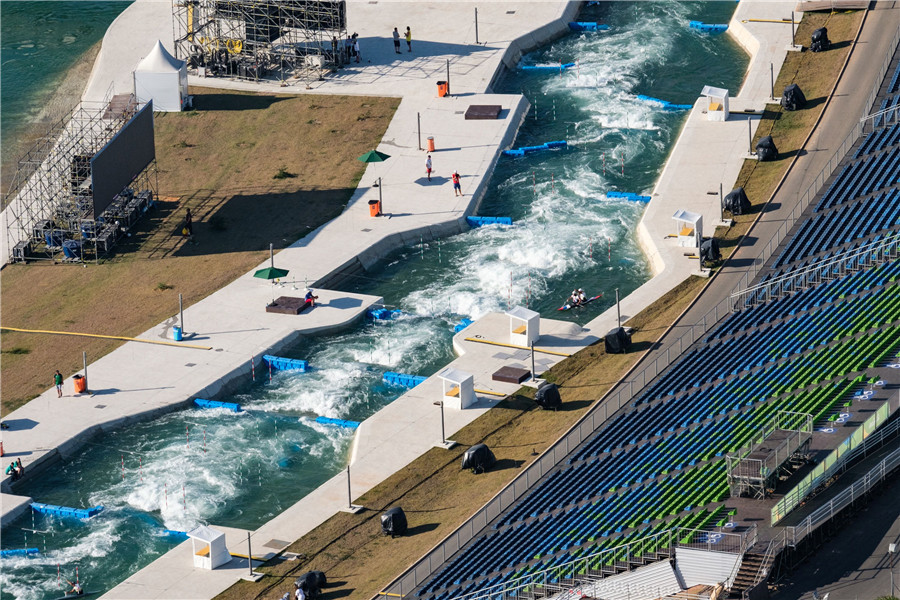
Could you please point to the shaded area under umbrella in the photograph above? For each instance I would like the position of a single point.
(271, 272)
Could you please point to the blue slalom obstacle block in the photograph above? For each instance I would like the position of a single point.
(462, 325)
(338, 422)
(233, 407)
(664, 104)
(383, 314)
(522, 151)
(175, 533)
(407, 381)
(708, 27)
(628, 196)
(587, 26)
(19, 552)
(286, 364)
(66, 511)
(479, 221)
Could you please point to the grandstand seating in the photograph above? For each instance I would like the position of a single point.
(879, 139)
(660, 462)
(846, 224)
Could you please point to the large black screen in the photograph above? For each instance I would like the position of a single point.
(123, 158)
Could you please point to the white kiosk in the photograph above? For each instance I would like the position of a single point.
(524, 326)
(458, 388)
(717, 109)
(162, 78)
(212, 552)
(690, 228)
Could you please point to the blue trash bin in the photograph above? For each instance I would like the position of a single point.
(177, 334)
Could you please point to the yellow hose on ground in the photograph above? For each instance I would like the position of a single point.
(553, 352)
(109, 337)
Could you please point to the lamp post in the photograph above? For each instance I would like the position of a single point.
(445, 443)
(443, 434)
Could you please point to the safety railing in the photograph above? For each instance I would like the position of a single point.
(870, 254)
(623, 393)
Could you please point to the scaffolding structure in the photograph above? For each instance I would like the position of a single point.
(49, 202)
(273, 40)
(775, 451)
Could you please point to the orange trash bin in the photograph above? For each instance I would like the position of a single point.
(80, 384)
(431, 143)
(442, 89)
(374, 208)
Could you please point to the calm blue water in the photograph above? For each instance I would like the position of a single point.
(216, 467)
(39, 41)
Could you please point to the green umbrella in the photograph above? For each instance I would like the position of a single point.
(373, 156)
(271, 273)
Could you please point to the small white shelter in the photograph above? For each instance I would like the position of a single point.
(162, 78)
(524, 326)
(717, 109)
(458, 388)
(212, 552)
(690, 228)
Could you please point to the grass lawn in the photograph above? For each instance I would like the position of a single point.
(221, 161)
(815, 73)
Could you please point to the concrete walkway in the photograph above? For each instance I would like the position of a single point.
(233, 322)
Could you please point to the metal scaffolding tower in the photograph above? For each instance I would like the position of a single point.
(49, 200)
(274, 40)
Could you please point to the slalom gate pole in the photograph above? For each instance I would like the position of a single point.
(123, 467)
(204, 439)
(141, 468)
(252, 369)
(184, 497)
(187, 435)
(166, 489)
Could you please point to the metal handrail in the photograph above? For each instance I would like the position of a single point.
(874, 252)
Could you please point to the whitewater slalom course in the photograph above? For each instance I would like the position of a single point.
(566, 337)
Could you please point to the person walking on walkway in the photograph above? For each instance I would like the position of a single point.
(189, 225)
(408, 39)
(58, 380)
(396, 41)
(428, 167)
(457, 190)
(356, 47)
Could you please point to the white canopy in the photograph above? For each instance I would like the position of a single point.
(202, 533)
(162, 78)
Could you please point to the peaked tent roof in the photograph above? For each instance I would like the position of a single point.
(159, 61)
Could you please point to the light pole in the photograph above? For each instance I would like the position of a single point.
(445, 443)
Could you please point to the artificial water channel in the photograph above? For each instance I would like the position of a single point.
(213, 466)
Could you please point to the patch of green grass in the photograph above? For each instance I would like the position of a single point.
(16, 350)
(283, 173)
(163, 286)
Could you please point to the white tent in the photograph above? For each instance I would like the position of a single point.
(162, 78)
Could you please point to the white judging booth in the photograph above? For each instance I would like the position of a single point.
(690, 228)
(524, 326)
(213, 552)
(458, 388)
(717, 108)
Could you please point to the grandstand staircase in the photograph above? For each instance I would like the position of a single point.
(747, 575)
